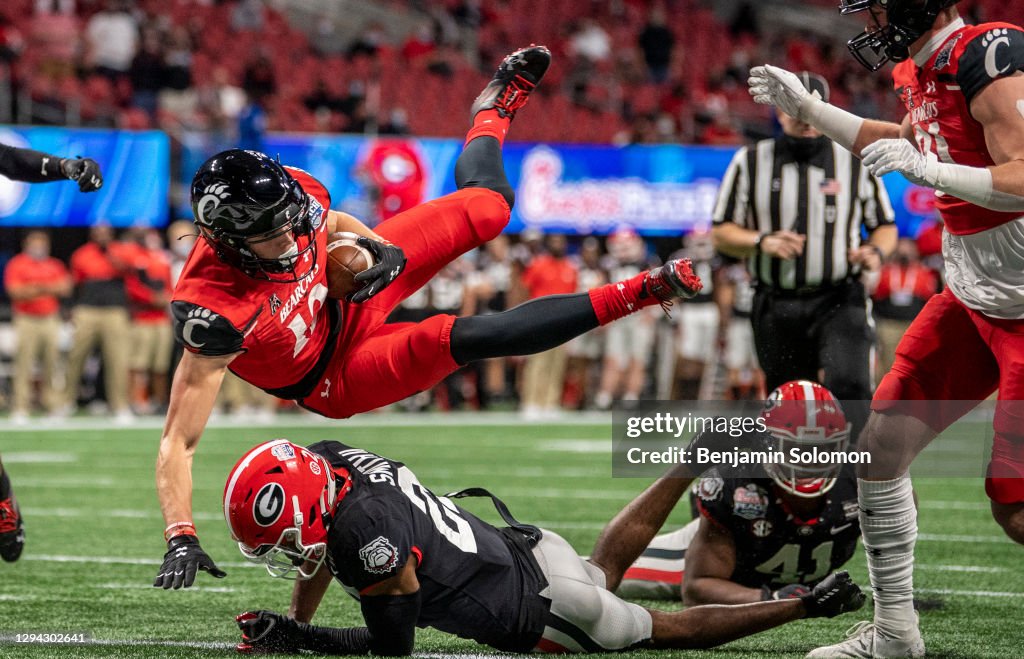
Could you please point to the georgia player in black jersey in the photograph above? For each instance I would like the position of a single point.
(764, 532)
(32, 166)
(963, 135)
(414, 559)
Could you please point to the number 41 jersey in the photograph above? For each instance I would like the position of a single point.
(774, 547)
(281, 328)
(476, 581)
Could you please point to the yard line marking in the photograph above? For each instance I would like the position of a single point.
(30, 457)
(960, 568)
(304, 420)
(577, 445)
(942, 537)
(141, 586)
(82, 513)
(6, 597)
(93, 481)
(119, 560)
(954, 505)
(969, 593)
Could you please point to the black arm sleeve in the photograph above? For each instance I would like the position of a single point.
(391, 620)
(334, 640)
(29, 166)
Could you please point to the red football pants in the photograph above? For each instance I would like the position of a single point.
(377, 364)
(949, 360)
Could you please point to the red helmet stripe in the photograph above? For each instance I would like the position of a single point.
(242, 464)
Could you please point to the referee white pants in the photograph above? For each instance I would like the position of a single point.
(584, 615)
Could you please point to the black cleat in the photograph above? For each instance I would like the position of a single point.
(512, 83)
(12, 532)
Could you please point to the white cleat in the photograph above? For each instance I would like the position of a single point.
(863, 640)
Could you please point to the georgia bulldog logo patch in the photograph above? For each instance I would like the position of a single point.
(379, 556)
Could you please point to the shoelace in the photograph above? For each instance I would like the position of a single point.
(516, 94)
(859, 629)
(8, 516)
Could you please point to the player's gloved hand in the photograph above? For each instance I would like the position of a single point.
(184, 558)
(390, 261)
(84, 171)
(792, 591)
(899, 155)
(834, 595)
(266, 631)
(770, 85)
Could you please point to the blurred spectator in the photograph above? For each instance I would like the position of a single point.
(100, 316)
(584, 367)
(656, 41)
(552, 273)
(489, 287)
(247, 15)
(181, 236)
(904, 286)
(12, 44)
(628, 342)
(369, 41)
(147, 73)
(698, 321)
(112, 36)
(736, 293)
(252, 124)
(258, 80)
(149, 290)
(34, 281)
(246, 403)
(929, 246)
(420, 43)
(395, 175)
(590, 41)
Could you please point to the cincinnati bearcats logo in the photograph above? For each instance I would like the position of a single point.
(197, 317)
(268, 504)
(992, 41)
(208, 208)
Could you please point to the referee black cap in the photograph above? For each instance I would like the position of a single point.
(814, 83)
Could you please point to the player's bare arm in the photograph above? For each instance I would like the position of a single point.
(998, 108)
(736, 241)
(193, 394)
(710, 561)
(880, 244)
(308, 593)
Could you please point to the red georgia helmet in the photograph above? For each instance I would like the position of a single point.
(806, 416)
(278, 503)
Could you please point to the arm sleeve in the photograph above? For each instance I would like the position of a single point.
(997, 53)
(734, 195)
(391, 620)
(29, 166)
(204, 332)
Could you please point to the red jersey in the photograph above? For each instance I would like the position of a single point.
(547, 275)
(150, 277)
(938, 96)
(285, 331)
(23, 269)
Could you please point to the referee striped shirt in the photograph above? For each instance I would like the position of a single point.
(827, 197)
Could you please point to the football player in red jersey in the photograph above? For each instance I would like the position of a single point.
(253, 297)
(963, 135)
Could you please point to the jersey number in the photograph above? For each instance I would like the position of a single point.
(298, 325)
(446, 516)
(925, 139)
(785, 564)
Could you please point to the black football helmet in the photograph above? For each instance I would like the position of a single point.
(242, 198)
(906, 21)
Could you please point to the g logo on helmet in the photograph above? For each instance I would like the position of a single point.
(268, 504)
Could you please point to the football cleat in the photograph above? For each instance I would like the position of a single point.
(674, 280)
(12, 532)
(864, 640)
(512, 83)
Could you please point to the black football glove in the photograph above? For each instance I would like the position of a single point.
(834, 595)
(792, 591)
(84, 171)
(266, 631)
(390, 260)
(184, 558)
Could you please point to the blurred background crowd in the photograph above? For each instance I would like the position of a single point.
(629, 71)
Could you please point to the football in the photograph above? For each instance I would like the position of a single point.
(345, 259)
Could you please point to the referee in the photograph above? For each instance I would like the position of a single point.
(794, 207)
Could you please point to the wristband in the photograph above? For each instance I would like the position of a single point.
(179, 528)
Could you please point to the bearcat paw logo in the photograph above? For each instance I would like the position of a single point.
(197, 317)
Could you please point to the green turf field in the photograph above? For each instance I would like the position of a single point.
(94, 538)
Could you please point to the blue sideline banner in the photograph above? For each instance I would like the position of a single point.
(136, 173)
(573, 189)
